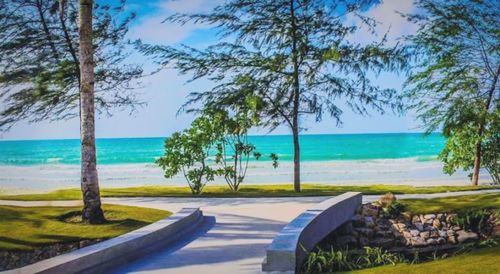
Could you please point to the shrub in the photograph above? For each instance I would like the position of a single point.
(473, 219)
(343, 260)
(393, 209)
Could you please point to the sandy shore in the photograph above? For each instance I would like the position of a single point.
(17, 179)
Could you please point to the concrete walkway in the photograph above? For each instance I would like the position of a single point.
(234, 235)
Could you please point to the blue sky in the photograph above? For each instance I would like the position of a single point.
(165, 92)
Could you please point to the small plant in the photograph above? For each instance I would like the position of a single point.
(330, 261)
(393, 209)
(473, 219)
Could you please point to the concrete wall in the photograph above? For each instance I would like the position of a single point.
(100, 257)
(286, 252)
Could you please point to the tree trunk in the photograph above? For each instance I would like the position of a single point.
(477, 165)
(92, 212)
(296, 101)
(477, 159)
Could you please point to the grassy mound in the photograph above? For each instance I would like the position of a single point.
(24, 228)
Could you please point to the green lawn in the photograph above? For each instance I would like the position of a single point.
(484, 261)
(245, 191)
(22, 228)
(451, 204)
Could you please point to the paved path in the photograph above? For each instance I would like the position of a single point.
(232, 238)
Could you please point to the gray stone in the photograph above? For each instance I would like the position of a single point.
(419, 226)
(368, 232)
(431, 241)
(443, 233)
(346, 229)
(425, 234)
(429, 216)
(434, 234)
(436, 224)
(417, 241)
(358, 221)
(464, 236)
(456, 228)
(369, 223)
(414, 232)
(441, 240)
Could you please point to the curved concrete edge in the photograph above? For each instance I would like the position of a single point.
(288, 249)
(102, 256)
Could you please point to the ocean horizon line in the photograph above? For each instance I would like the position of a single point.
(250, 135)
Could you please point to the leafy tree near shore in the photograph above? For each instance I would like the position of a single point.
(297, 56)
(455, 84)
(216, 144)
(64, 59)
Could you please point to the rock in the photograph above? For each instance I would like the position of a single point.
(369, 222)
(441, 240)
(436, 224)
(456, 228)
(407, 234)
(370, 210)
(406, 216)
(425, 235)
(386, 199)
(414, 232)
(417, 241)
(496, 231)
(382, 242)
(346, 241)
(422, 219)
(450, 217)
(358, 221)
(401, 225)
(429, 216)
(419, 226)
(450, 233)
(452, 240)
(346, 229)
(464, 236)
(431, 241)
(363, 241)
(384, 234)
(434, 234)
(415, 219)
(368, 232)
(443, 233)
(440, 217)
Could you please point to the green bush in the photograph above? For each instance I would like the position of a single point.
(473, 219)
(393, 209)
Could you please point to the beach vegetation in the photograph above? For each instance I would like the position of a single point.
(454, 84)
(216, 144)
(295, 56)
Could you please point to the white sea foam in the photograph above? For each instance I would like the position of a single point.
(407, 171)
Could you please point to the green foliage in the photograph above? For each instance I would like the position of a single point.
(393, 209)
(39, 60)
(473, 219)
(294, 58)
(188, 152)
(454, 85)
(215, 134)
(342, 260)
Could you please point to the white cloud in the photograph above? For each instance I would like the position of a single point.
(388, 18)
(151, 29)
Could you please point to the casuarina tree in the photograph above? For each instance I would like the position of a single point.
(300, 57)
(454, 85)
(59, 60)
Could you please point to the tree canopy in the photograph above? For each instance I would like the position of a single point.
(454, 86)
(39, 60)
(298, 56)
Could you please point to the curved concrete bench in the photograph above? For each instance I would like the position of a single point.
(286, 252)
(102, 256)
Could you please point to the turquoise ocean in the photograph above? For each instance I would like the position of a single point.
(341, 159)
(313, 148)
